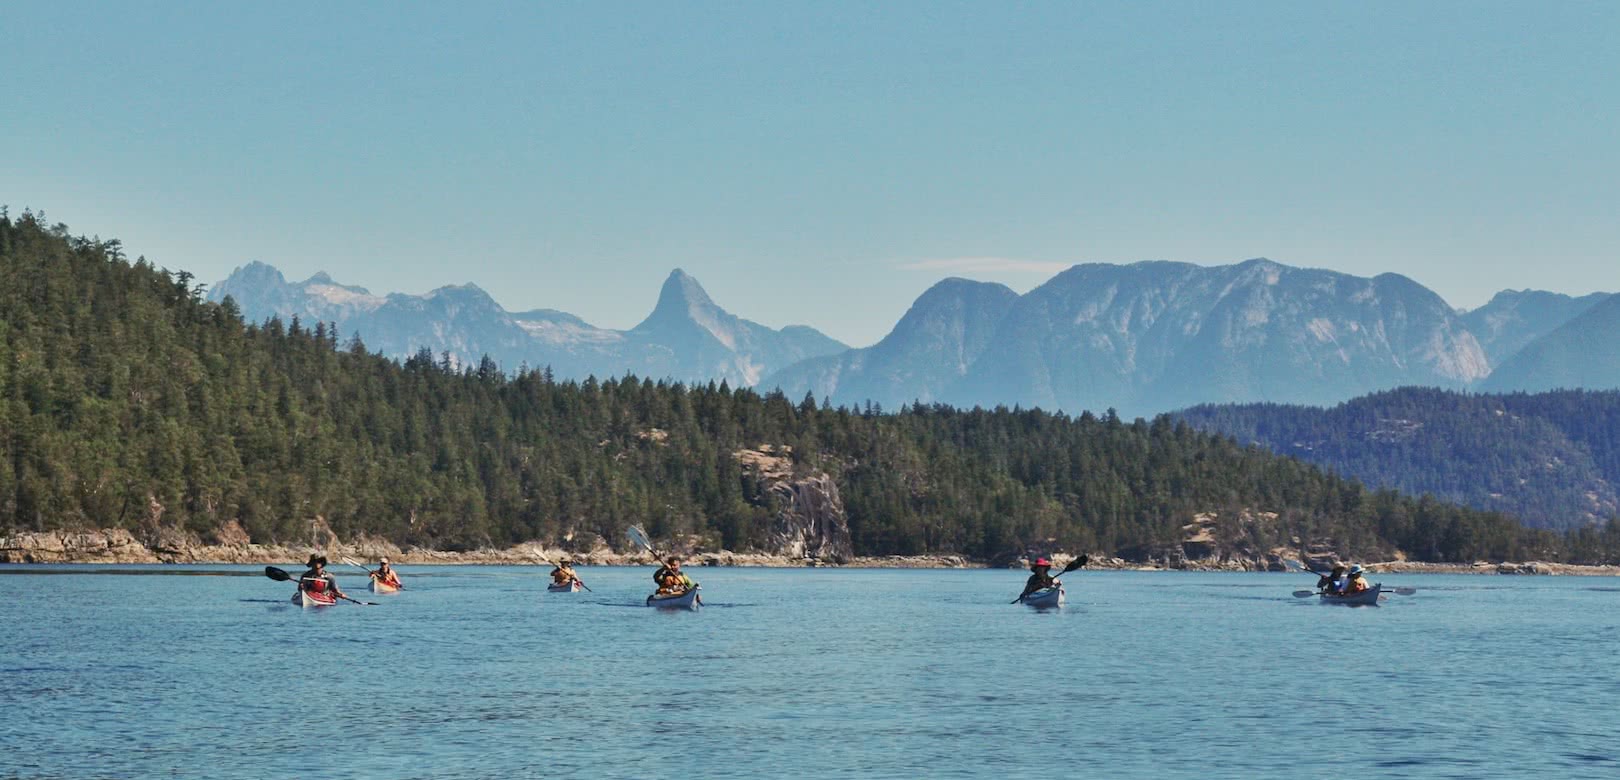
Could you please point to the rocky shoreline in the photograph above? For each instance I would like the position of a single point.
(122, 546)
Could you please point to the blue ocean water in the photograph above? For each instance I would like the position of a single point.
(477, 672)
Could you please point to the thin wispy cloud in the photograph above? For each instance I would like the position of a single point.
(984, 265)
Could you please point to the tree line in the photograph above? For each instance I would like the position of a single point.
(1551, 459)
(127, 400)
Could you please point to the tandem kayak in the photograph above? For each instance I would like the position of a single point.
(378, 586)
(1368, 596)
(1044, 598)
(311, 599)
(687, 600)
(571, 587)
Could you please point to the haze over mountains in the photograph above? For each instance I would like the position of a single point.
(686, 337)
(1142, 338)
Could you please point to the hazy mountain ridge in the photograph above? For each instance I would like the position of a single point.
(1581, 353)
(1142, 338)
(1155, 336)
(933, 345)
(687, 337)
(1512, 319)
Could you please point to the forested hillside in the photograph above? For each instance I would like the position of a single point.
(127, 400)
(1551, 459)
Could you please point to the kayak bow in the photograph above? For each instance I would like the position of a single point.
(686, 600)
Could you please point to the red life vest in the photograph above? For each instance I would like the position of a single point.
(315, 585)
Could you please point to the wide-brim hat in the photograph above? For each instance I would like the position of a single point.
(1039, 562)
(314, 559)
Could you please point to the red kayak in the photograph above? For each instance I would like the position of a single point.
(310, 598)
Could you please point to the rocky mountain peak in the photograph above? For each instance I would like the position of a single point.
(256, 273)
(682, 295)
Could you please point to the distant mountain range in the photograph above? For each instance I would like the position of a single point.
(686, 337)
(1142, 338)
(1583, 352)
(1550, 459)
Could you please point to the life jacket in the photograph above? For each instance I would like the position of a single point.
(315, 585)
(681, 580)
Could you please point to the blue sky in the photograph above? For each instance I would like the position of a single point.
(821, 163)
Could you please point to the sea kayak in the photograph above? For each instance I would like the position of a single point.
(1044, 598)
(312, 599)
(687, 600)
(378, 586)
(1368, 596)
(570, 587)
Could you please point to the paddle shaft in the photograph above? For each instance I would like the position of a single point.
(281, 575)
(641, 540)
(1073, 566)
(373, 574)
(547, 561)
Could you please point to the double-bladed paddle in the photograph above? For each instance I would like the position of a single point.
(358, 565)
(280, 575)
(639, 537)
(1074, 564)
(1300, 594)
(547, 561)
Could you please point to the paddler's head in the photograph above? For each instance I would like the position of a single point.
(317, 561)
(675, 564)
(1040, 565)
(1356, 570)
(382, 563)
(1338, 568)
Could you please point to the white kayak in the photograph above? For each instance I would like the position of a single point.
(1368, 596)
(569, 587)
(1044, 598)
(378, 586)
(687, 600)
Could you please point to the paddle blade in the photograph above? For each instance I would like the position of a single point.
(639, 537)
(277, 574)
(1075, 564)
(1302, 594)
(1404, 591)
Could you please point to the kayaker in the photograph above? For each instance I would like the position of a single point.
(385, 574)
(1357, 582)
(1040, 577)
(1335, 581)
(670, 579)
(318, 580)
(564, 574)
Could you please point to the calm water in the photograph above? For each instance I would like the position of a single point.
(477, 672)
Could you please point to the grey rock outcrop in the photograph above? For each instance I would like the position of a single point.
(812, 523)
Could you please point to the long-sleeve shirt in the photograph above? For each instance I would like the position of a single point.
(1038, 581)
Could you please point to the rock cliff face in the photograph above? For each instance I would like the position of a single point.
(811, 523)
(110, 546)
